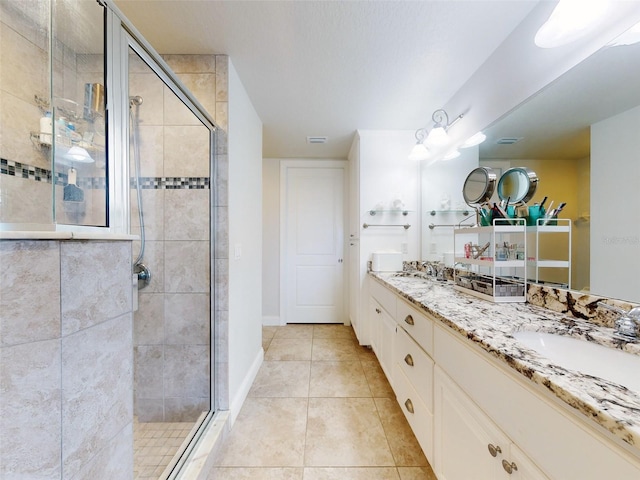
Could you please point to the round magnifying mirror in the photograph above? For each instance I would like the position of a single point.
(518, 185)
(479, 186)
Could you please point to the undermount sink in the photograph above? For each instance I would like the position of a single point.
(585, 357)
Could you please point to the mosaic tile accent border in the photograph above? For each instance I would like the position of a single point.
(28, 172)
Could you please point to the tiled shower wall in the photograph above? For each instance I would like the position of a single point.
(65, 360)
(172, 325)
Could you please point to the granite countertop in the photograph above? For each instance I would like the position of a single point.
(491, 325)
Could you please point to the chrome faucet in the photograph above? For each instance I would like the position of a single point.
(627, 327)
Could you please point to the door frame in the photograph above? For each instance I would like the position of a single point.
(285, 166)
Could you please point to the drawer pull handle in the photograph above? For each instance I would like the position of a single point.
(509, 467)
(409, 405)
(408, 360)
(494, 450)
(378, 310)
(409, 320)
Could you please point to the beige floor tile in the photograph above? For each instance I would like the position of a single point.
(269, 332)
(404, 446)
(282, 379)
(294, 331)
(333, 331)
(282, 349)
(269, 432)
(377, 380)
(416, 473)
(366, 353)
(338, 379)
(336, 349)
(345, 432)
(351, 473)
(265, 343)
(229, 473)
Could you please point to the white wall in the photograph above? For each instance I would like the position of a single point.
(615, 199)
(271, 241)
(444, 180)
(245, 238)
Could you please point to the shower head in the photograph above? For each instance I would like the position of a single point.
(137, 100)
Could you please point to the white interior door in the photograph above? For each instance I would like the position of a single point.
(313, 273)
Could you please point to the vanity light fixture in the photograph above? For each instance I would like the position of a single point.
(629, 37)
(451, 155)
(476, 139)
(78, 154)
(419, 151)
(571, 20)
(438, 135)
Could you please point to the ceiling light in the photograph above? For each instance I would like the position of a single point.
(629, 37)
(477, 139)
(569, 21)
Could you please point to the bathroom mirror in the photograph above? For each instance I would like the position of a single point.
(553, 134)
(517, 185)
(479, 186)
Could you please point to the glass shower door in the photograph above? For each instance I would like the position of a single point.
(170, 165)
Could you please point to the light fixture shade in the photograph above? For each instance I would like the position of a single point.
(451, 155)
(629, 37)
(477, 139)
(419, 152)
(437, 137)
(569, 21)
(78, 154)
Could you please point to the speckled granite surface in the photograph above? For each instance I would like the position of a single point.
(491, 325)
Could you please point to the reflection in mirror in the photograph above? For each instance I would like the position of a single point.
(578, 135)
(479, 186)
(517, 185)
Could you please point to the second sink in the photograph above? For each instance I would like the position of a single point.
(586, 357)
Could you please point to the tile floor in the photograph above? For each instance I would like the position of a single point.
(320, 409)
(154, 445)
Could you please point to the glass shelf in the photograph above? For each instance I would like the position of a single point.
(461, 212)
(403, 212)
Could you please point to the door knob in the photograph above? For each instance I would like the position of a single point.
(509, 467)
(494, 450)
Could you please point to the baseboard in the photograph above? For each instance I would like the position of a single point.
(245, 386)
(271, 321)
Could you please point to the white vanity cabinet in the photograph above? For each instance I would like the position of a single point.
(543, 434)
(468, 444)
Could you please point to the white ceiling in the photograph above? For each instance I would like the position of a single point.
(327, 68)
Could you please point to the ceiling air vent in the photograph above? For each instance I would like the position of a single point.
(316, 140)
(508, 140)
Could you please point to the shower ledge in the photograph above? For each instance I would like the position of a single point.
(51, 235)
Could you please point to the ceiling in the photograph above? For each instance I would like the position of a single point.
(328, 68)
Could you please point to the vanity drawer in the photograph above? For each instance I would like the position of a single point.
(385, 297)
(416, 365)
(416, 324)
(418, 415)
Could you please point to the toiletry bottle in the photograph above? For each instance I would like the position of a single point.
(46, 128)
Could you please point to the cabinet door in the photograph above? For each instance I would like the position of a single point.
(375, 320)
(387, 344)
(467, 444)
(519, 467)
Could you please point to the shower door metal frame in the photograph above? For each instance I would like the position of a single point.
(124, 36)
